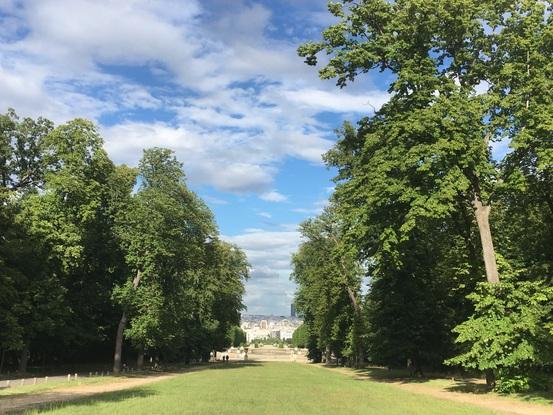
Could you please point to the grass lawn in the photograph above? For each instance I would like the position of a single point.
(471, 386)
(263, 388)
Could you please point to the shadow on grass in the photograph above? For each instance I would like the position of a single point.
(111, 397)
(394, 375)
(62, 399)
(468, 386)
(542, 397)
(473, 386)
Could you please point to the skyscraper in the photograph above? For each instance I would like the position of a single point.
(293, 310)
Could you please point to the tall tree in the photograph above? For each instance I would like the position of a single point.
(71, 219)
(461, 75)
(163, 234)
(429, 145)
(329, 284)
(28, 294)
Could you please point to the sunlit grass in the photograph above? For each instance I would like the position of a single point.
(269, 388)
(452, 384)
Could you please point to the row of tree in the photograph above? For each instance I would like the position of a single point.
(453, 240)
(92, 253)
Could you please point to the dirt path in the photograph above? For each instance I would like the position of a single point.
(492, 402)
(22, 402)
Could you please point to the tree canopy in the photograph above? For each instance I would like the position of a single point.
(422, 198)
(92, 254)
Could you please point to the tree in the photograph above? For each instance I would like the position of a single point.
(462, 75)
(22, 166)
(300, 336)
(21, 172)
(86, 261)
(509, 333)
(524, 80)
(71, 219)
(329, 282)
(237, 336)
(182, 280)
(429, 145)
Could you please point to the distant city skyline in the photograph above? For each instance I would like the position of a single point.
(264, 327)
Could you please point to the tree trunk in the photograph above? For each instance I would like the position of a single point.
(359, 353)
(119, 345)
(482, 213)
(2, 357)
(490, 378)
(327, 355)
(140, 358)
(118, 355)
(24, 358)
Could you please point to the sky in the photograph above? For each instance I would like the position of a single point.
(219, 82)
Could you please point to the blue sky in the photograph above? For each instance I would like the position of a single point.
(219, 82)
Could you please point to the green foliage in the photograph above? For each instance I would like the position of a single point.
(75, 236)
(510, 331)
(329, 282)
(237, 336)
(300, 336)
(420, 198)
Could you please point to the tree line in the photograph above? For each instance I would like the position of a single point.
(452, 240)
(97, 258)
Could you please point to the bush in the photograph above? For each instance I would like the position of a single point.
(236, 336)
(299, 337)
(510, 333)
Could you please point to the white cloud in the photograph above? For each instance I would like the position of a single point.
(269, 288)
(214, 200)
(253, 101)
(273, 196)
(265, 215)
(207, 157)
(316, 209)
(337, 100)
(235, 101)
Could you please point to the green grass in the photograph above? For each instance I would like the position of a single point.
(269, 388)
(469, 385)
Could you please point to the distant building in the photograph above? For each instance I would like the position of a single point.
(264, 326)
(293, 310)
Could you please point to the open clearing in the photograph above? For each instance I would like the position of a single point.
(254, 388)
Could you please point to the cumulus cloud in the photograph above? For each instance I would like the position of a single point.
(269, 254)
(316, 209)
(208, 157)
(273, 196)
(248, 101)
(214, 81)
(337, 100)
